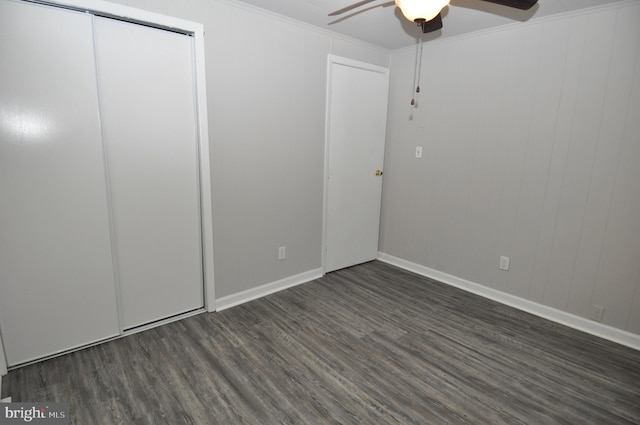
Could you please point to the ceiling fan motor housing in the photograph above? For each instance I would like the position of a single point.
(430, 26)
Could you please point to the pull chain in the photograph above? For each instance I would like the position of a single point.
(417, 71)
(419, 67)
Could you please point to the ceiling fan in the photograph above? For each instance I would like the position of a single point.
(427, 13)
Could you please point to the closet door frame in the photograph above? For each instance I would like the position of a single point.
(196, 30)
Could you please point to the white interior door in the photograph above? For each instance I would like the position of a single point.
(356, 127)
(148, 105)
(56, 275)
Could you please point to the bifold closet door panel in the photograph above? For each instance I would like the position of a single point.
(56, 274)
(146, 85)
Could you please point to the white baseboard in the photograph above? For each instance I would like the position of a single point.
(264, 290)
(580, 323)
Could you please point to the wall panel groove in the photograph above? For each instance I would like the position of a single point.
(531, 136)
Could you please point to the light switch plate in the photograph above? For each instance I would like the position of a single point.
(504, 263)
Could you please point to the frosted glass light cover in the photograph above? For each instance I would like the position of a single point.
(421, 9)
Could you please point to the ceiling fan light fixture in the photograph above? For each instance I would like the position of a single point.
(421, 9)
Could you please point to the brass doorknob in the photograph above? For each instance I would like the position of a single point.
(378, 173)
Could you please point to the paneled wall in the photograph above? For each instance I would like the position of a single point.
(266, 84)
(531, 138)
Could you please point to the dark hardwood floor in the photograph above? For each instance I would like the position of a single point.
(371, 344)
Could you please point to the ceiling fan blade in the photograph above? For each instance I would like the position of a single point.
(350, 7)
(518, 4)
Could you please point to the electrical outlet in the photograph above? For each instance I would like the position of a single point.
(597, 312)
(504, 263)
(282, 253)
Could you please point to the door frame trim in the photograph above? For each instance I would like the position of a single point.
(335, 60)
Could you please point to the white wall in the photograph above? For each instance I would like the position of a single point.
(266, 83)
(531, 139)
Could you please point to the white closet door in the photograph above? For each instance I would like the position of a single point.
(56, 275)
(147, 98)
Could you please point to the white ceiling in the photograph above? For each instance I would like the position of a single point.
(382, 24)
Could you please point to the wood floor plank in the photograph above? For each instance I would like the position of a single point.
(369, 344)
